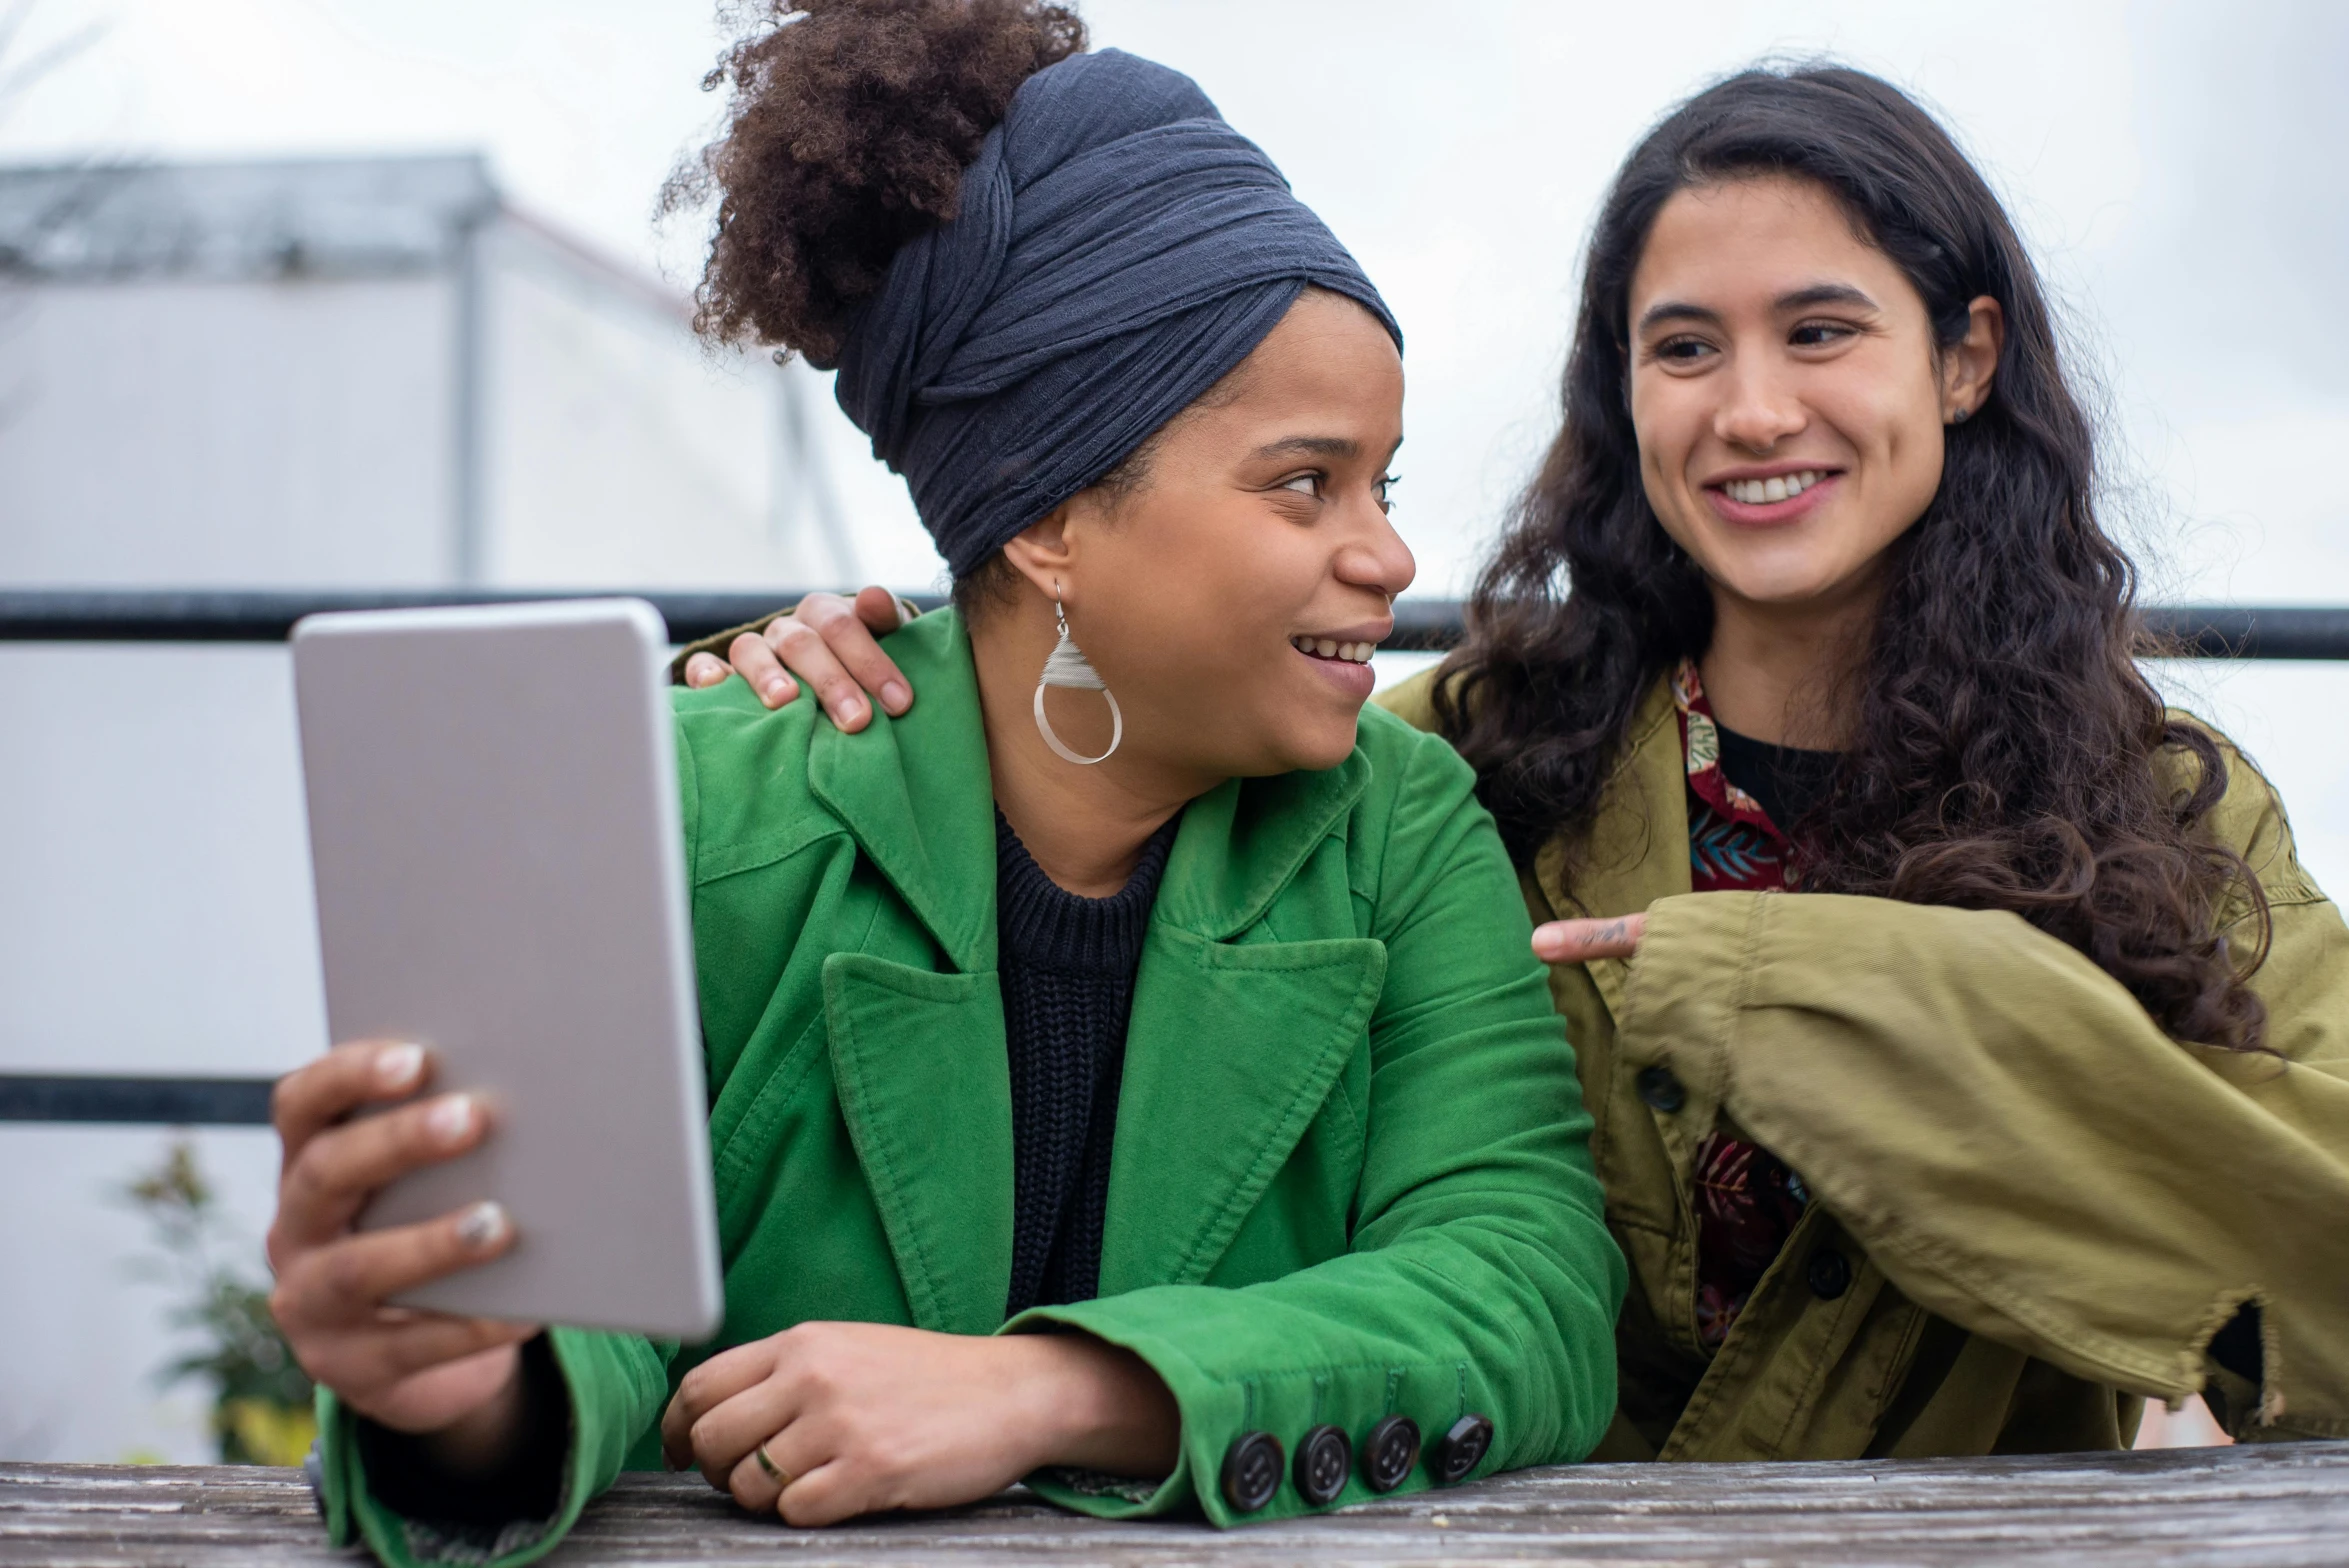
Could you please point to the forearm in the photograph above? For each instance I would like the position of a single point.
(1092, 1406)
(1434, 1329)
(2006, 1131)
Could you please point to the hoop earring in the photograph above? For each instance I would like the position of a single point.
(1068, 667)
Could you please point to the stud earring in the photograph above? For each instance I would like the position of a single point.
(1068, 667)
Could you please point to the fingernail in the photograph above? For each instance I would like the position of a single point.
(451, 1119)
(482, 1226)
(894, 696)
(775, 690)
(396, 1065)
(851, 711)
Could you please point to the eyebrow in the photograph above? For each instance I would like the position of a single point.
(1312, 446)
(1800, 299)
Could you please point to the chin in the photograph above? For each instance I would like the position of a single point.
(1319, 751)
(1786, 584)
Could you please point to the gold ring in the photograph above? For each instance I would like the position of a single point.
(768, 1465)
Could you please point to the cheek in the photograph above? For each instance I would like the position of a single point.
(1189, 587)
(1666, 423)
(1899, 434)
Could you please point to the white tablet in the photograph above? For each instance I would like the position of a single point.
(494, 835)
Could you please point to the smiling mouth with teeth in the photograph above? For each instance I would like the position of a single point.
(1784, 487)
(1326, 648)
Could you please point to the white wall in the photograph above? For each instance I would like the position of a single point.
(619, 451)
(154, 917)
(295, 434)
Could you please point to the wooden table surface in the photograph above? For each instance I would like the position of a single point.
(2269, 1505)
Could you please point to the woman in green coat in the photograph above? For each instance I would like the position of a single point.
(1128, 1072)
(1968, 1050)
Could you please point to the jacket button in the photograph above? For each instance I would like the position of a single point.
(1389, 1453)
(1251, 1471)
(1661, 1090)
(1324, 1459)
(1829, 1274)
(1460, 1450)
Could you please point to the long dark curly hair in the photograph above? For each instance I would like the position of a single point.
(848, 126)
(2004, 752)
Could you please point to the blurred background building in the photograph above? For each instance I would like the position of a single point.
(374, 372)
(259, 327)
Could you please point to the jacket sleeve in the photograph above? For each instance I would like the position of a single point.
(615, 1382)
(2016, 1143)
(1480, 1277)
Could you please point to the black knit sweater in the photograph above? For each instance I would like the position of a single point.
(1067, 967)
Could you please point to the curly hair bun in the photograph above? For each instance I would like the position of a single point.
(849, 125)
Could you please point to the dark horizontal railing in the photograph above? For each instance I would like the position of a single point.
(174, 1102)
(2210, 631)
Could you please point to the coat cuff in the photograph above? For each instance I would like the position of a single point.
(595, 1367)
(1681, 1006)
(1223, 1395)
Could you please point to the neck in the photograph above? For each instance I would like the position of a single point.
(1780, 673)
(1085, 826)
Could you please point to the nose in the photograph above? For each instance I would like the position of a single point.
(1759, 408)
(1374, 556)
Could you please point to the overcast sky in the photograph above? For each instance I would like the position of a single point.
(2177, 168)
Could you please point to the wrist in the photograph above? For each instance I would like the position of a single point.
(1095, 1406)
(484, 1439)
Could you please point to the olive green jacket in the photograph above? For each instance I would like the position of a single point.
(1350, 1174)
(2034, 1209)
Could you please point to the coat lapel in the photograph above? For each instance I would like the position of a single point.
(1638, 843)
(915, 794)
(1233, 1046)
(919, 1061)
(919, 1055)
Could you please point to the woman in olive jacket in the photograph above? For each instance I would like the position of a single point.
(1969, 1053)
(1129, 1072)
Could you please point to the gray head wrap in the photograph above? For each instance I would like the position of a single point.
(1117, 251)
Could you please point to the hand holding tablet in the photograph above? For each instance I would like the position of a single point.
(494, 828)
(411, 1371)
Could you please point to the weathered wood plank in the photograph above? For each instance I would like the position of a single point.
(2277, 1506)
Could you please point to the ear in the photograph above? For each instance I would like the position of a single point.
(1969, 365)
(1044, 553)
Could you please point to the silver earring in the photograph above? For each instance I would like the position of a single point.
(1068, 667)
(1959, 417)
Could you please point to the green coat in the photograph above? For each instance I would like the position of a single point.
(1350, 1175)
(2034, 1207)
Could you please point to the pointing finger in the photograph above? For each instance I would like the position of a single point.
(1580, 941)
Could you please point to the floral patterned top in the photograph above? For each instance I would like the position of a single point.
(1747, 1201)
